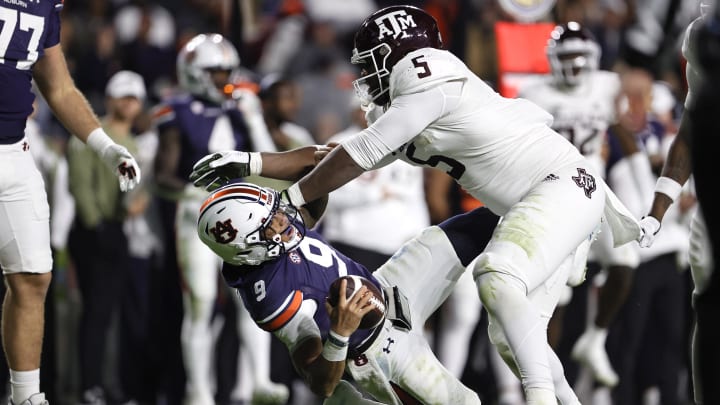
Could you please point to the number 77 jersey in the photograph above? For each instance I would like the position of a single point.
(27, 28)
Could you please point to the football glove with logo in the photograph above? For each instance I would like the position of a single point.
(216, 169)
(117, 158)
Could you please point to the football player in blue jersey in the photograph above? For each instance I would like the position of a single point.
(283, 269)
(30, 49)
(209, 114)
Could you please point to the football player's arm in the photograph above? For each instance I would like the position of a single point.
(313, 211)
(322, 364)
(66, 101)
(216, 169)
(407, 117)
(167, 160)
(73, 110)
(677, 167)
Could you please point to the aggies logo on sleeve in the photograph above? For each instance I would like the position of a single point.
(394, 24)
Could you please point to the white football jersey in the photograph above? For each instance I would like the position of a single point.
(582, 113)
(443, 116)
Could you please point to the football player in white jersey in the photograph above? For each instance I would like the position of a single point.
(438, 113)
(582, 100)
(676, 172)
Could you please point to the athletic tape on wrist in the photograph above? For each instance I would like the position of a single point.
(296, 197)
(669, 187)
(98, 140)
(338, 340)
(335, 347)
(255, 163)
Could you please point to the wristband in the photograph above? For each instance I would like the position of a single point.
(669, 187)
(255, 163)
(335, 347)
(338, 340)
(98, 140)
(295, 195)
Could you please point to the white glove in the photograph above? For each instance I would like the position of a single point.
(117, 158)
(216, 169)
(650, 226)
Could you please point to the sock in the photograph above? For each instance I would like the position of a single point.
(23, 384)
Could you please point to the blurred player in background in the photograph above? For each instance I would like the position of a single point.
(210, 115)
(675, 173)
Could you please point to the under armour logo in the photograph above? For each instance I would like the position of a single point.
(26, 146)
(386, 349)
(224, 232)
(399, 21)
(585, 181)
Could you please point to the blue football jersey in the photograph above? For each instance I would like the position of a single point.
(27, 27)
(204, 128)
(273, 291)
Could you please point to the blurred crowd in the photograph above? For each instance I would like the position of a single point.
(294, 57)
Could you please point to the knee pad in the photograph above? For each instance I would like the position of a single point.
(494, 273)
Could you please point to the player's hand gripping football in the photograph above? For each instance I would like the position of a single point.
(218, 168)
(123, 164)
(345, 317)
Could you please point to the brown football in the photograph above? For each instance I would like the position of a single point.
(372, 318)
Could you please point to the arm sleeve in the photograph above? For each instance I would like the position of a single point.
(406, 118)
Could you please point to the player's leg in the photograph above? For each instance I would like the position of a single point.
(460, 315)
(620, 264)
(427, 267)
(199, 266)
(701, 266)
(26, 260)
(400, 367)
(545, 298)
(346, 394)
(527, 248)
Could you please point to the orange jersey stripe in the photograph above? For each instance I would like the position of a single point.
(285, 315)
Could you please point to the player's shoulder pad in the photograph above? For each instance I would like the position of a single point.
(423, 69)
(608, 80)
(166, 110)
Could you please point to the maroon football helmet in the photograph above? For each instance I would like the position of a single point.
(382, 40)
(572, 51)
